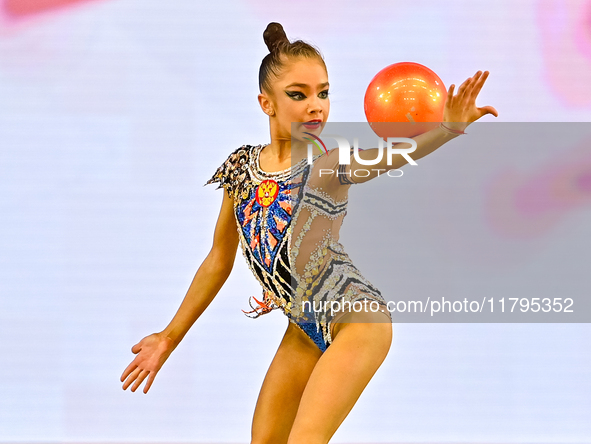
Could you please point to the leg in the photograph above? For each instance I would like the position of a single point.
(283, 386)
(358, 349)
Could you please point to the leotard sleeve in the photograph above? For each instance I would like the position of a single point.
(232, 172)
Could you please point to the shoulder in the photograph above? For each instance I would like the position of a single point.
(233, 169)
(237, 159)
(239, 155)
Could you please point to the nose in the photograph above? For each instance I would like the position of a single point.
(314, 105)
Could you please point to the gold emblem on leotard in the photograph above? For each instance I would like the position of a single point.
(267, 192)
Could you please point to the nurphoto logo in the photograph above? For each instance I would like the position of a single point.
(345, 147)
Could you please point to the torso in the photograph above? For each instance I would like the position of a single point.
(290, 236)
(265, 231)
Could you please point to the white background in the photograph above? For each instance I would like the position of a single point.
(114, 113)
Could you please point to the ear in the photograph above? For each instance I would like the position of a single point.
(266, 104)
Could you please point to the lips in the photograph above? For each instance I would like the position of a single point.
(312, 124)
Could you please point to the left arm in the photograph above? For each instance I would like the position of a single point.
(459, 112)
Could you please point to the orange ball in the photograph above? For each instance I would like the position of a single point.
(405, 92)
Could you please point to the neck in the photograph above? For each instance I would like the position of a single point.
(283, 149)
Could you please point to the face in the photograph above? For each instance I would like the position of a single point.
(299, 94)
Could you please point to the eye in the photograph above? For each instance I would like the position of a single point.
(323, 94)
(296, 95)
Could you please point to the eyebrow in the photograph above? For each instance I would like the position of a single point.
(303, 85)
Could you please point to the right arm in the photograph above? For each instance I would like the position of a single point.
(152, 351)
(210, 276)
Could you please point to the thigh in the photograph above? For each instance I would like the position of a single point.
(360, 346)
(344, 316)
(283, 386)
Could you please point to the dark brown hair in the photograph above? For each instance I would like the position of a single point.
(279, 47)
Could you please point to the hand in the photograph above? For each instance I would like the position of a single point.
(152, 352)
(462, 108)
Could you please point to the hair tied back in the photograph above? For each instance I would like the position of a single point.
(280, 51)
(274, 36)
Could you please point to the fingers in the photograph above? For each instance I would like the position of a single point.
(138, 375)
(488, 110)
(450, 100)
(151, 352)
(463, 87)
(461, 94)
(467, 91)
(478, 85)
(131, 367)
(465, 99)
(151, 378)
(142, 375)
(132, 377)
(450, 92)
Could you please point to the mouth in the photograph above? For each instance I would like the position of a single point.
(312, 124)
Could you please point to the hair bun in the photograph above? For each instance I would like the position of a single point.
(274, 36)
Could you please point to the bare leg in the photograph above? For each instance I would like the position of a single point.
(283, 386)
(341, 375)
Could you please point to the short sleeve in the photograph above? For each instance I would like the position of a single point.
(233, 172)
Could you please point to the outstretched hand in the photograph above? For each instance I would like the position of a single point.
(462, 108)
(152, 352)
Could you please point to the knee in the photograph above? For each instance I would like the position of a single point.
(269, 437)
(266, 441)
(307, 440)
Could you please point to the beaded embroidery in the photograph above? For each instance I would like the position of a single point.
(265, 233)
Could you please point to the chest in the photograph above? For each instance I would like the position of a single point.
(264, 206)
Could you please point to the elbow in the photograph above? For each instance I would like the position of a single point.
(221, 261)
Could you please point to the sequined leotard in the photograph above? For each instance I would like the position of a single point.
(292, 244)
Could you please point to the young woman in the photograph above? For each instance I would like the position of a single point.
(286, 217)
